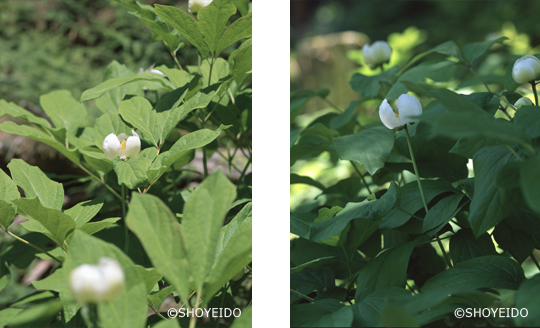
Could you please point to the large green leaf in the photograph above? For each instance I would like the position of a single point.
(58, 224)
(13, 110)
(369, 86)
(368, 311)
(32, 133)
(36, 184)
(529, 177)
(8, 189)
(493, 271)
(111, 99)
(7, 213)
(475, 50)
(85, 211)
(527, 297)
(322, 313)
(96, 158)
(492, 204)
(106, 124)
(371, 210)
(159, 232)
(185, 24)
(111, 84)
(245, 319)
(58, 282)
(528, 117)
(518, 243)
(387, 269)
(182, 147)
(442, 212)
(213, 20)
(63, 109)
(138, 112)
(238, 30)
(370, 147)
(241, 61)
(133, 172)
(464, 246)
(129, 309)
(204, 212)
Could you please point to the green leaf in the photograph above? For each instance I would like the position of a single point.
(464, 246)
(326, 214)
(111, 99)
(133, 172)
(233, 252)
(371, 147)
(300, 98)
(448, 48)
(220, 70)
(7, 213)
(111, 84)
(36, 184)
(368, 311)
(467, 147)
(167, 324)
(299, 179)
(96, 158)
(204, 212)
(394, 316)
(213, 20)
(387, 269)
(58, 224)
(369, 86)
(158, 297)
(58, 282)
(518, 243)
(63, 109)
(442, 212)
(93, 227)
(129, 309)
(241, 62)
(322, 313)
(492, 204)
(106, 124)
(245, 319)
(238, 30)
(529, 177)
(8, 189)
(475, 50)
(528, 117)
(41, 313)
(32, 133)
(138, 112)
(18, 112)
(85, 211)
(370, 210)
(493, 271)
(528, 295)
(410, 201)
(150, 276)
(162, 239)
(321, 131)
(455, 102)
(185, 24)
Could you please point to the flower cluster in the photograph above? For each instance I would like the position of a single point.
(122, 145)
(407, 106)
(97, 283)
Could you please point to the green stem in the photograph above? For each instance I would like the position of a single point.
(533, 83)
(211, 67)
(414, 216)
(126, 231)
(478, 77)
(514, 152)
(244, 171)
(31, 245)
(193, 319)
(156, 311)
(173, 54)
(332, 105)
(410, 288)
(361, 176)
(535, 261)
(307, 298)
(99, 180)
(446, 258)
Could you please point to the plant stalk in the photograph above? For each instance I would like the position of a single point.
(361, 176)
(126, 231)
(31, 245)
(446, 258)
(533, 83)
(193, 319)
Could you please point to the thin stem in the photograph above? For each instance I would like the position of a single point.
(332, 105)
(173, 54)
(414, 216)
(535, 261)
(307, 298)
(156, 311)
(193, 319)
(446, 258)
(244, 171)
(126, 231)
(223, 291)
(31, 245)
(211, 67)
(514, 152)
(205, 166)
(533, 83)
(478, 77)
(361, 176)
(410, 288)
(382, 68)
(503, 109)
(99, 180)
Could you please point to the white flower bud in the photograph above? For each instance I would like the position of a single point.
(526, 69)
(407, 106)
(122, 145)
(378, 53)
(97, 283)
(196, 5)
(523, 101)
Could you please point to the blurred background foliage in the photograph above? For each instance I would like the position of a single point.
(327, 37)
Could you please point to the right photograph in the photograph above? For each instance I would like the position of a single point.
(414, 164)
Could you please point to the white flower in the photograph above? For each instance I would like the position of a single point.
(523, 101)
(196, 5)
(379, 52)
(97, 283)
(407, 106)
(526, 69)
(121, 145)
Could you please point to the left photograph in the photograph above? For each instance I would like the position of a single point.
(126, 163)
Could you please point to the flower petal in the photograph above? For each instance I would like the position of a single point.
(133, 145)
(111, 146)
(388, 117)
(408, 107)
